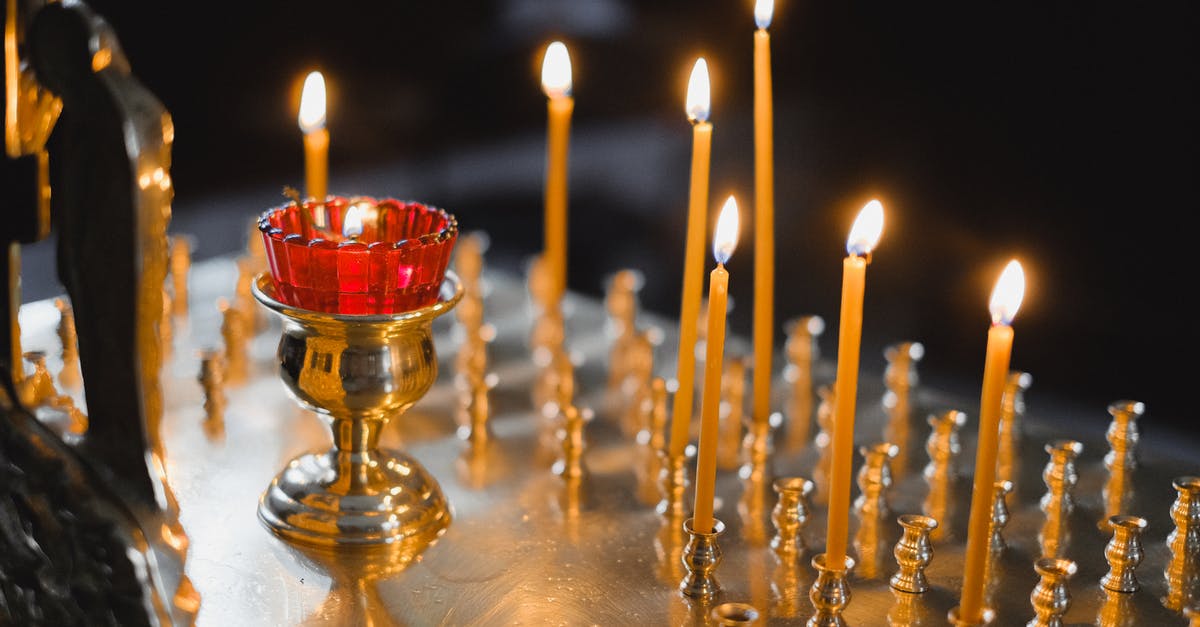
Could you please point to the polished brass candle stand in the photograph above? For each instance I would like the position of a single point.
(913, 553)
(802, 350)
(673, 482)
(1124, 553)
(1060, 477)
(212, 380)
(701, 556)
(1183, 544)
(1000, 517)
(1051, 598)
(830, 594)
(1012, 411)
(756, 451)
(359, 371)
(790, 514)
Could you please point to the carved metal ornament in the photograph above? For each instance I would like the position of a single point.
(89, 533)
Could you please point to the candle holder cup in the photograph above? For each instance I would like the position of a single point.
(830, 593)
(701, 556)
(357, 371)
(369, 257)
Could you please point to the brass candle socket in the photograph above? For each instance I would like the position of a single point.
(874, 479)
(1051, 598)
(734, 615)
(790, 514)
(1124, 553)
(1122, 434)
(673, 482)
(830, 593)
(358, 371)
(913, 553)
(1060, 475)
(1000, 516)
(756, 451)
(701, 556)
(1183, 544)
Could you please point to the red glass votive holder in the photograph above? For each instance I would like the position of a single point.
(358, 255)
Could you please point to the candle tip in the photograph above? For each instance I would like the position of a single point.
(1008, 294)
(556, 71)
(868, 226)
(312, 103)
(763, 11)
(698, 92)
(726, 234)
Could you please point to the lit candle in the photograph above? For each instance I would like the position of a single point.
(693, 260)
(863, 237)
(764, 214)
(1006, 299)
(556, 83)
(316, 140)
(352, 223)
(724, 241)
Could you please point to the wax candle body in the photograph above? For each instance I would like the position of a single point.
(316, 164)
(995, 371)
(854, 274)
(693, 287)
(764, 227)
(558, 133)
(710, 403)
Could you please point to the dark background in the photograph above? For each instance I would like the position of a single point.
(1062, 133)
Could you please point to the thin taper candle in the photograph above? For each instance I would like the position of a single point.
(316, 144)
(764, 215)
(863, 237)
(693, 261)
(1006, 299)
(557, 83)
(724, 241)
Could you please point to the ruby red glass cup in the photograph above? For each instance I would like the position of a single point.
(358, 255)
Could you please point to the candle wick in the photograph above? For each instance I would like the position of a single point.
(293, 194)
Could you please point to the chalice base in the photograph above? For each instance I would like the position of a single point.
(345, 498)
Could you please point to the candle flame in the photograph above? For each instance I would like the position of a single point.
(352, 223)
(312, 103)
(556, 71)
(868, 226)
(698, 92)
(725, 236)
(1008, 293)
(763, 11)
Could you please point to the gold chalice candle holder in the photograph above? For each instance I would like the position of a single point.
(358, 371)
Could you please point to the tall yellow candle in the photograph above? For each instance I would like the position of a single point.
(863, 237)
(693, 261)
(556, 83)
(316, 141)
(764, 214)
(1006, 299)
(724, 241)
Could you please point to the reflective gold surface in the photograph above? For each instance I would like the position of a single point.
(519, 551)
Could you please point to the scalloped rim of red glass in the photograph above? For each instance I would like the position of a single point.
(448, 230)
